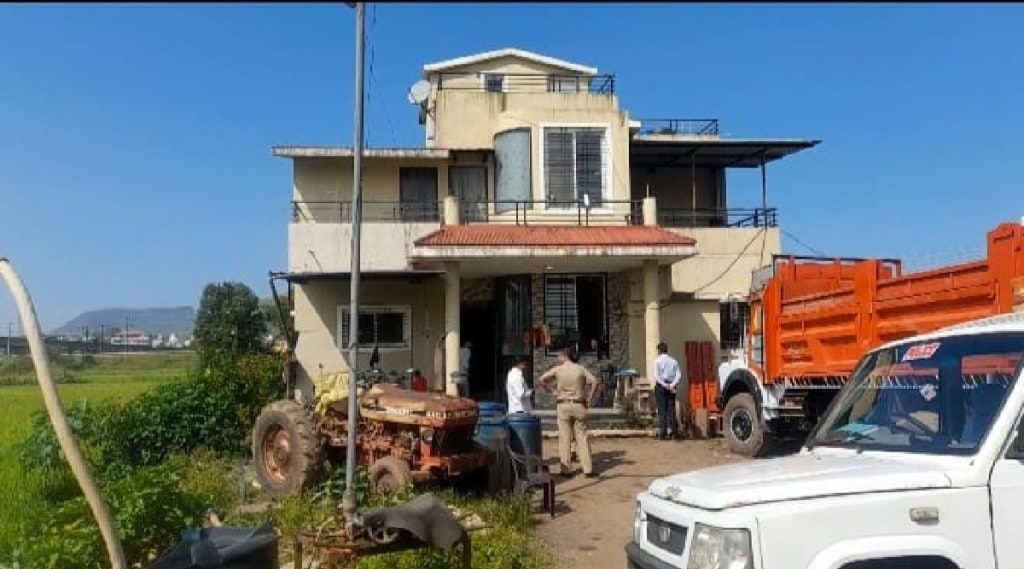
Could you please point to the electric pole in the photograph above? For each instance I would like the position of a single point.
(348, 500)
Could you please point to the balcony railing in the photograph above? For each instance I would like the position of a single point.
(694, 127)
(736, 217)
(527, 83)
(600, 213)
(341, 212)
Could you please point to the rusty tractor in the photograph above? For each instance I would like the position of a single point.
(403, 437)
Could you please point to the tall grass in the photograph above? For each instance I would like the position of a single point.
(110, 377)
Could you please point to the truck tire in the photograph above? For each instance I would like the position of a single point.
(743, 426)
(389, 475)
(285, 448)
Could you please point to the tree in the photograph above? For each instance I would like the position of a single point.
(229, 323)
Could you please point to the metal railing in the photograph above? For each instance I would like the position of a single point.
(706, 127)
(341, 211)
(540, 212)
(527, 83)
(734, 217)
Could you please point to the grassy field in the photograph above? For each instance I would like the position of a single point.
(110, 377)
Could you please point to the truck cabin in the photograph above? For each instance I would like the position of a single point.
(937, 396)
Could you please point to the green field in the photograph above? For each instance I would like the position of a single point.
(111, 377)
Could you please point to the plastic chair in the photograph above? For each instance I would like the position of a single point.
(529, 473)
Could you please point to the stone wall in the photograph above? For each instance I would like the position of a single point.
(617, 293)
(477, 290)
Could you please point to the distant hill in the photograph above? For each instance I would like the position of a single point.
(152, 320)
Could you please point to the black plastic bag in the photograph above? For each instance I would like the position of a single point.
(222, 548)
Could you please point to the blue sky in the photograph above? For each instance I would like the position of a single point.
(134, 140)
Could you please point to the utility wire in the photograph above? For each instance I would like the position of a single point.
(802, 244)
(763, 233)
(384, 105)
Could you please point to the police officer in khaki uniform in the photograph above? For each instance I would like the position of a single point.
(572, 400)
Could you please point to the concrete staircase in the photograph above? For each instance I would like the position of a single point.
(596, 419)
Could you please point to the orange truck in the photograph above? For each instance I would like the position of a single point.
(811, 319)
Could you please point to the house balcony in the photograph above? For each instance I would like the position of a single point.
(532, 83)
(676, 129)
(718, 217)
(320, 235)
(320, 232)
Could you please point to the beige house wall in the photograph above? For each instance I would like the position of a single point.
(718, 248)
(330, 180)
(316, 321)
(464, 116)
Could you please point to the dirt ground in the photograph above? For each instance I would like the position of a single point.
(593, 516)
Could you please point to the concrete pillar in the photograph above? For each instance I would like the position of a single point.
(652, 314)
(651, 211)
(452, 339)
(451, 211)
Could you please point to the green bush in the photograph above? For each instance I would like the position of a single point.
(150, 509)
(207, 412)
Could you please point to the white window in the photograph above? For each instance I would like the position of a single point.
(380, 326)
(494, 83)
(576, 164)
(563, 84)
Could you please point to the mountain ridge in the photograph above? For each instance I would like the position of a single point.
(166, 320)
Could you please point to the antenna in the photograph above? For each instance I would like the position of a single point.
(419, 91)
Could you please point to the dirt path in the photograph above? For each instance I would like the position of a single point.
(593, 518)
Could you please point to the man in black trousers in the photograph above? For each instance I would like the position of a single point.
(666, 376)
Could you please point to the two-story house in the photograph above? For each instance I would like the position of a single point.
(537, 215)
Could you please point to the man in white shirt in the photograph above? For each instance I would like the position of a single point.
(462, 383)
(520, 397)
(666, 376)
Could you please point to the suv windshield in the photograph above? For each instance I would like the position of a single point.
(938, 396)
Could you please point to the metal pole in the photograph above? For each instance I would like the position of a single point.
(58, 418)
(9, 327)
(348, 501)
(764, 193)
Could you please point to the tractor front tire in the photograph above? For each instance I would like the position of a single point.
(743, 426)
(285, 448)
(389, 475)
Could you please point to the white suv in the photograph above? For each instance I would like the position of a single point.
(917, 464)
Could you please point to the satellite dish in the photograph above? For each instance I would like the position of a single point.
(419, 92)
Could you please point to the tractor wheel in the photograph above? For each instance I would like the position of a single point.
(743, 426)
(285, 448)
(389, 475)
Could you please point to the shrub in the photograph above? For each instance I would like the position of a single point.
(150, 509)
(210, 412)
(207, 412)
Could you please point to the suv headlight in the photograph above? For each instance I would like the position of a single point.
(638, 519)
(716, 548)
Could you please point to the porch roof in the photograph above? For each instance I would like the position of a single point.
(491, 249)
(553, 236)
(710, 152)
(305, 277)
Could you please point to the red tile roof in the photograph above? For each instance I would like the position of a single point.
(551, 236)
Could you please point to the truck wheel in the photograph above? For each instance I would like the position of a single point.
(743, 427)
(389, 475)
(285, 448)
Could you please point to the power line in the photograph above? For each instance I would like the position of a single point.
(763, 233)
(802, 244)
(371, 77)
